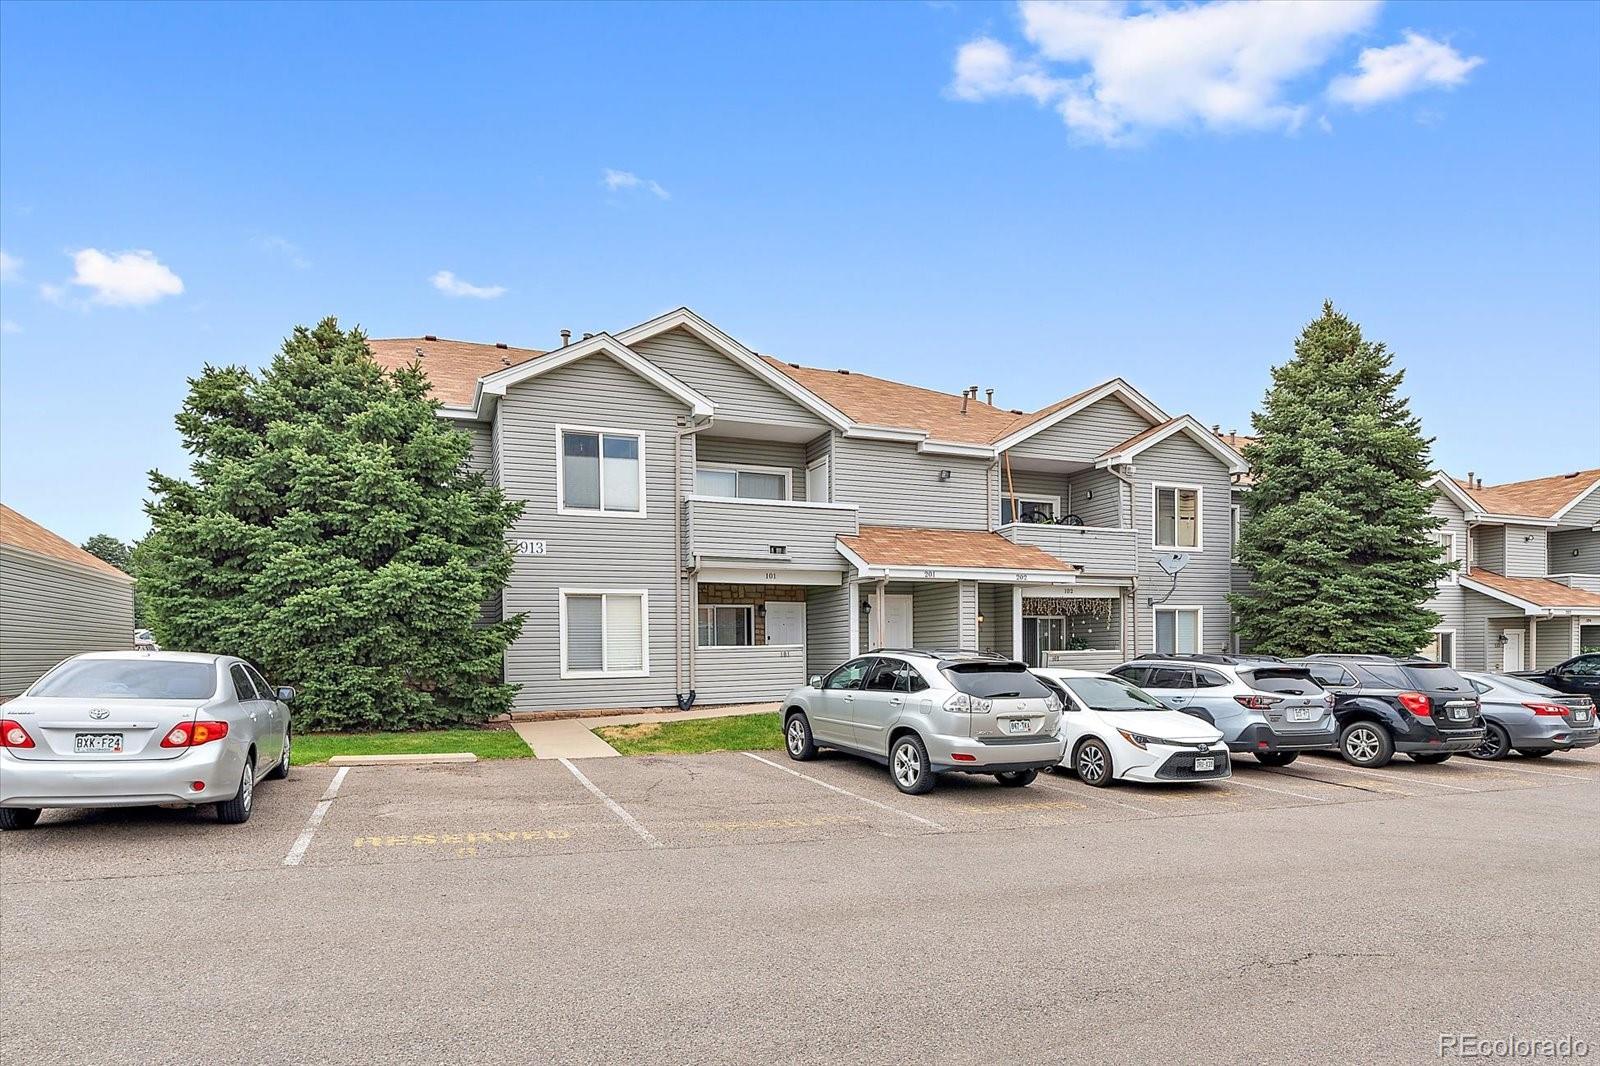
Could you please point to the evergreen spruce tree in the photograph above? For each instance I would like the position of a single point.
(332, 534)
(124, 557)
(1338, 530)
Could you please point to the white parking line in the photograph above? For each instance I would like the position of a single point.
(303, 841)
(1090, 793)
(1496, 764)
(1392, 778)
(852, 795)
(616, 808)
(1280, 791)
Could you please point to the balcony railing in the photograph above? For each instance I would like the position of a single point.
(766, 532)
(1098, 549)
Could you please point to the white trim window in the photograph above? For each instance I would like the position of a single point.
(1450, 552)
(1178, 522)
(743, 482)
(726, 626)
(1030, 508)
(1179, 630)
(599, 471)
(605, 632)
(1442, 648)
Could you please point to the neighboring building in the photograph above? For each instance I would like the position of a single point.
(56, 601)
(700, 518)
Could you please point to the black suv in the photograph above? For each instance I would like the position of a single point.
(1386, 704)
(1579, 676)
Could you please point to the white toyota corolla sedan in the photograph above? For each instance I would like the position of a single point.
(1116, 732)
(134, 728)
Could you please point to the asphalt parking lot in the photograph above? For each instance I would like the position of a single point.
(731, 906)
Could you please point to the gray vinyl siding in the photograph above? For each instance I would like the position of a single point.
(727, 451)
(747, 675)
(1205, 582)
(1085, 435)
(1585, 542)
(481, 458)
(52, 610)
(817, 448)
(827, 627)
(1489, 548)
(1031, 484)
(1104, 506)
(1449, 599)
(936, 620)
(1586, 512)
(1527, 552)
(895, 485)
(588, 551)
(1557, 642)
(743, 529)
(1485, 618)
(995, 632)
(737, 393)
(1109, 552)
(969, 615)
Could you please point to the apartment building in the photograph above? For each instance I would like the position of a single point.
(700, 519)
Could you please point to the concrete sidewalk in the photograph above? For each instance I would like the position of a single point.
(573, 738)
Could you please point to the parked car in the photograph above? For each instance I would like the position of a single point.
(1115, 732)
(926, 713)
(131, 728)
(1266, 707)
(1525, 716)
(1578, 676)
(1386, 704)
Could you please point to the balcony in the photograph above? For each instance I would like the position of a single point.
(1099, 550)
(771, 535)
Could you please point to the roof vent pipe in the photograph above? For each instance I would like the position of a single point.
(1470, 479)
(586, 336)
(988, 397)
(566, 337)
(964, 399)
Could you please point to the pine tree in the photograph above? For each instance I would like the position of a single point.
(124, 557)
(1338, 530)
(332, 534)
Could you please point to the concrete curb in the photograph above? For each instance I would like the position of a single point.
(402, 760)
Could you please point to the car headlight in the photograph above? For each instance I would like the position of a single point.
(1139, 740)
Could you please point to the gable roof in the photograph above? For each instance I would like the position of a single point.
(19, 531)
(453, 367)
(894, 546)
(876, 401)
(1532, 592)
(1061, 410)
(1186, 424)
(495, 384)
(1543, 497)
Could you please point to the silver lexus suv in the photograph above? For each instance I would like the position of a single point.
(928, 712)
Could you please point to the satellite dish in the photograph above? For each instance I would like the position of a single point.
(1172, 562)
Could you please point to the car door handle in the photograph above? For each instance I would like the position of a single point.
(897, 702)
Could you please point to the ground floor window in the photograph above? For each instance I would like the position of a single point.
(1442, 648)
(1177, 630)
(604, 633)
(726, 627)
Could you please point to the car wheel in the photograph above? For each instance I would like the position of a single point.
(18, 817)
(237, 810)
(1496, 743)
(1428, 758)
(908, 765)
(797, 740)
(1276, 758)
(1017, 778)
(1536, 753)
(281, 771)
(1366, 744)
(1092, 762)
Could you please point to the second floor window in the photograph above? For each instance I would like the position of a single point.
(602, 471)
(744, 483)
(1177, 517)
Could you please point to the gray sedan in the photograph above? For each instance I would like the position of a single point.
(132, 728)
(1528, 718)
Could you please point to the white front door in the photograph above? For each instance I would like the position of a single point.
(786, 623)
(1511, 654)
(817, 478)
(897, 621)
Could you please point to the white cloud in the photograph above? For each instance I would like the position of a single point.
(446, 282)
(123, 279)
(285, 248)
(1116, 72)
(615, 180)
(1415, 63)
(10, 267)
(8, 326)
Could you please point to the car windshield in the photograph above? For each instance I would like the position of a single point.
(128, 679)
(994, 680)
(1109, 694)
(1520, 684)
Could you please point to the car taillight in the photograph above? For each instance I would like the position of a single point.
(12, 735)
(1417, 704)
(1258, 703)
(188, 734)
(1548, 710)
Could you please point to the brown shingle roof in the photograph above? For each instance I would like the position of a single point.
(20, 531)
(897, 546)
(1539, 498)
(880, 402)
(1536, 590)
(453, 367)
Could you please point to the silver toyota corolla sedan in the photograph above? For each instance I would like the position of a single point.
(131, 728)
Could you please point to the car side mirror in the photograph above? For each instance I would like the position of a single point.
(816, 681)
(285, 693)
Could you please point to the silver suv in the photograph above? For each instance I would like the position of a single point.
(1264, 706)
(924, 713)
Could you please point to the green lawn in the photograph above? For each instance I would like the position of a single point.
(748, 732)
(484, 743)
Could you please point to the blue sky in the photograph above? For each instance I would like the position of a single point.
(949, 193)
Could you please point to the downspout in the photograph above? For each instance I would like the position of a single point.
(679, 513)
(1130, 626)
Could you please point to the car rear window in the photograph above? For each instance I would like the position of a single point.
(994, 680)
(1522, 685)
(1386, 676)
(128, 679)
(1435, 677)
(1290, 680)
